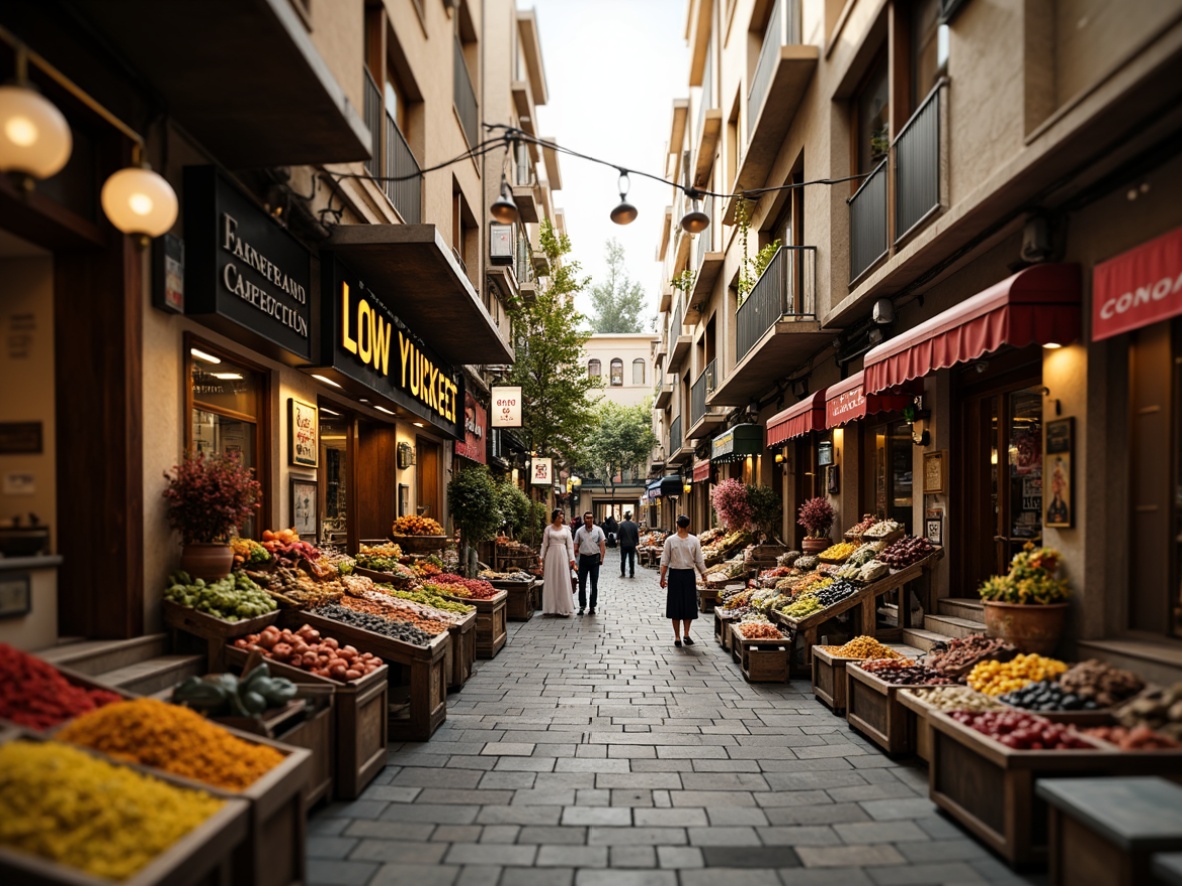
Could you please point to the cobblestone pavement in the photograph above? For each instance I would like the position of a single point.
(592, 751)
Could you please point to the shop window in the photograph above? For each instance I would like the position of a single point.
(929, 49)
(334, 459)
(594, 368)
(638, 371)
(227, 399)
(888, 489)
(617, 370)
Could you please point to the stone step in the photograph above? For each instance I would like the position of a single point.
(962, 607)
(951, 625)
(923, 639)
(93, 657)
(155, 674)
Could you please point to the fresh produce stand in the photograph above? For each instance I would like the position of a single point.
(491, 627)
(761, 660)
(519, 604)
(214, 631)
(873, 708)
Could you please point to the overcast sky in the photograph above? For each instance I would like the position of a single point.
(613, 68)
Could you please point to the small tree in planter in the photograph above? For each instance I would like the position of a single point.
(208, 497)
(765, 509)
(1027, 606)
(472, 497)
(514, 506)
(733, 505)
(816, 515)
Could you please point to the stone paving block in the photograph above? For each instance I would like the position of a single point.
(500, 833)
(542, 797)
(892, 810)
(537, 877)
(369, 809)
(456, 833)
(808, 780)
(712, 798)
(491, 853)
(625, 878)
(895, 790)
(845, 856)
(525, 764)
(479, 875)
(731, 876)
(799, 835)
(553, 834)
(767, 857)
(340, 873)
(508, 749)
(448, 796)
(323, 826)
(724, 781)
(421, 812)
(636, 780)
(391, 830)
(330, 847)
(670, 817)
(507, 780)
(831, 814)
(419, 874)
(736, 815)
(723, 836)
(679, 857)
(404, 853)
(468, 761)
(825, 877)
(881, 832)
(632, 798)
(771, 799)
(943, 850)
(522, 815)
(391, 793)
(725, 765)
(596, 815)
(414, 776)
(939, 828)
(633, 857)
(605, 836)
(577, 857)
(925, 875)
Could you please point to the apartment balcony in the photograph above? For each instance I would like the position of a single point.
(704, 419)
(679, 339)
(708, 266)
(662, 394)
(523, 103)
(776, 327)
(392, 158)
(679, 449)
(666, 298)
(527, 207)
(782, 75)
(706, 144)
(464, 95)
(869, 238)
(541, 263)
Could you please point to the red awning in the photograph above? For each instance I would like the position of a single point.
(797, 420)
(702, 471)
(848, 401)
(1037, 306)
(1138, 287)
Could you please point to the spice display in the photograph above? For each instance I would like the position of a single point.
(225, 695)
(759, 630)
(293, 588)
(64, 805)
(902, 672)
(397, 630)
(394, 612)
(1047, 696)
(33, 692)
(173, 739)
(805, 563)
(882, 529)
(1159, 709)
(835, 591)
(1101, 682)
(864, 647)
(838, 552)
(308, 650)
(426, 598)
(803, 607)
(998, 678)
(232, 598)
(1023, 732)
(458, 586)
(906, 551)
(1139, 738)
(958, 655)
(957, 698)
(248, 552)
(413, 524)
(859, 528)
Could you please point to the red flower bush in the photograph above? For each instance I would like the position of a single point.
(208, 498)
(733, 506)
(817, 516)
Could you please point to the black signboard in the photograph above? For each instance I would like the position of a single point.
(369, 344)
(241, 266)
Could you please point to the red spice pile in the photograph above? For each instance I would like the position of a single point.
(33, 693)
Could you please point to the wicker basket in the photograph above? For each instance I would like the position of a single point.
(420, 544)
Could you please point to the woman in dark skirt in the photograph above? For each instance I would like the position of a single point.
(681, 556)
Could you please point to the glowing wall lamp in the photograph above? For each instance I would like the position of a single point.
(35, 139)
(139, 202)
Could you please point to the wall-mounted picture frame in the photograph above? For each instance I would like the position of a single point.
(935, 472)
(1057, 480)
(303, 433)
(16, 595)
(403, 499)
(934, 531)
(305, 507)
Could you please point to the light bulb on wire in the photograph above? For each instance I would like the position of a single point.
(625, 213)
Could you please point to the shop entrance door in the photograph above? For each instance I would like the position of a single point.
(1001, 480)
(888, 458)
(428, 470)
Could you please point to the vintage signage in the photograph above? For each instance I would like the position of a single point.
(1138, 287)
(506, 407)
(846, 406)
(541, 471)
(242, 267)
(475, 422)
(739, 442)
(370, 345)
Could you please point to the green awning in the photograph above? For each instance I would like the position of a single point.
(737, 443)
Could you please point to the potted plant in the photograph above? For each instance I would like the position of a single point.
(472, 496)
(765, 513)
(816, 515)
(208, 498)
(731, 502)
(1028, 605)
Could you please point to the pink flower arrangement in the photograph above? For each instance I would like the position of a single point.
(208, 498)
(733, 507)
(817, 516)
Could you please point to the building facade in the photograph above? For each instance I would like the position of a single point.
(937, 311)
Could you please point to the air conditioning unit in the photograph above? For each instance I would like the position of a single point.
(500, 246)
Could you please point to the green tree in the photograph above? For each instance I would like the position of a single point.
(555, 386)
(472, 498)
(514, 506)
(617, 301)
(620, 439)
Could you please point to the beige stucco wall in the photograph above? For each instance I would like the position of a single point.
(606, 347)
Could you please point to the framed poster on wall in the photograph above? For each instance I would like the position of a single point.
(1059, 510)
(303, 433)
(935, 472)
(304, 506)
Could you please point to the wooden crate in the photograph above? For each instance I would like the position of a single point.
(214, 631)
(316, 733)
(361, 731)
(722, 627)
(417, 701)
(708, 598)
(519, 604)
(829, 678)
(872, 707)
(461, 652)
(923, 729)
(989, 788)
(761, 661)
(491, 623)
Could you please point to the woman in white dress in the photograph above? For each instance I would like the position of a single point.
(557, 559)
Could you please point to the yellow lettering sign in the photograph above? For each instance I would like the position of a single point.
(346, 341)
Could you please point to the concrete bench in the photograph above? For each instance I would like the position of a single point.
(1104, 831)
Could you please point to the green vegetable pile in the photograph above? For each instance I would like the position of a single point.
(219, 695)
(233, 598)
(427, 599)
(804, 605)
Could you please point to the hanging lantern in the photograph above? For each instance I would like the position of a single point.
(139, 202)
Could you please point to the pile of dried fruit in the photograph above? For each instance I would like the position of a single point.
(293, 588)
(998, 678)
(1159, 709)
(957, 698)
(906, 551)
(759, 630)
(307, 650)
(1047, 696)
(804, 606)
(958, 655)
(860, 527)
(392, 611)
(34, 694)
(413, 524)
(1101, 682)
(881, 529)
(901, 673)
(838, 552)
(835, 591)
(458, 586)
(864, 647)
(1139, 738)
(1023, 732)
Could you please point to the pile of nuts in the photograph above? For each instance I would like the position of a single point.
(900, 673)
(864, 647)
(956, 698)
(997, 678)
(1102, 683)
(959, 654)
(1159, 709)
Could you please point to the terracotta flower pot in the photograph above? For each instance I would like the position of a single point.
(1032, 628)
(207, 561)
(815, 544)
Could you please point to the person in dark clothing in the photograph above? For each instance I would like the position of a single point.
(629, 536)
(610, 526)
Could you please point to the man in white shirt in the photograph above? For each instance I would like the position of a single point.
(591, 548)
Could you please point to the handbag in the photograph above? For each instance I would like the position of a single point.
(574, 583)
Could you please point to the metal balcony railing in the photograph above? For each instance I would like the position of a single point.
(707, 101)
(698, 393)
(675, 325)
(406, 195)
(783, 29)
(465, 97)
(704, 237)
(675, 438)
(787, 288)
(917, 166)
(373, 122)
(868, 222)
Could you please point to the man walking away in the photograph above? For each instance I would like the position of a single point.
(591, 546)
(629, 535)
(610, 527)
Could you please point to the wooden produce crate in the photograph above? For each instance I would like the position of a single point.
(722, 627)
(872, 707)
(360, 727)
(708, 598)
(461, 652)
(203, 857)
(989, 788)
(829, 683)
(923, 729)
(214, 631)
(316, 733)
(491, 623)
(417, 681)
(519, 605)
(761, 661)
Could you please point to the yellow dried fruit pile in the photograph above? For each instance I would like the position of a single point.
(173, 739)
(997, 678)
(838, 551)
(61, 804)
(864, 647)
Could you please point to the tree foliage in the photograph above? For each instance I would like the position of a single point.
(765, 509)
(514, 506)
(617, 301)
(472, 498)
(621, 438)
(556, 408)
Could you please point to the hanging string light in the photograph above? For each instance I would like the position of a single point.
(695, 221)
(35, 139)
(503, 210)
(625, 213)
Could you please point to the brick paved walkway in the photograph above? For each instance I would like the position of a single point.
(592, 751)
